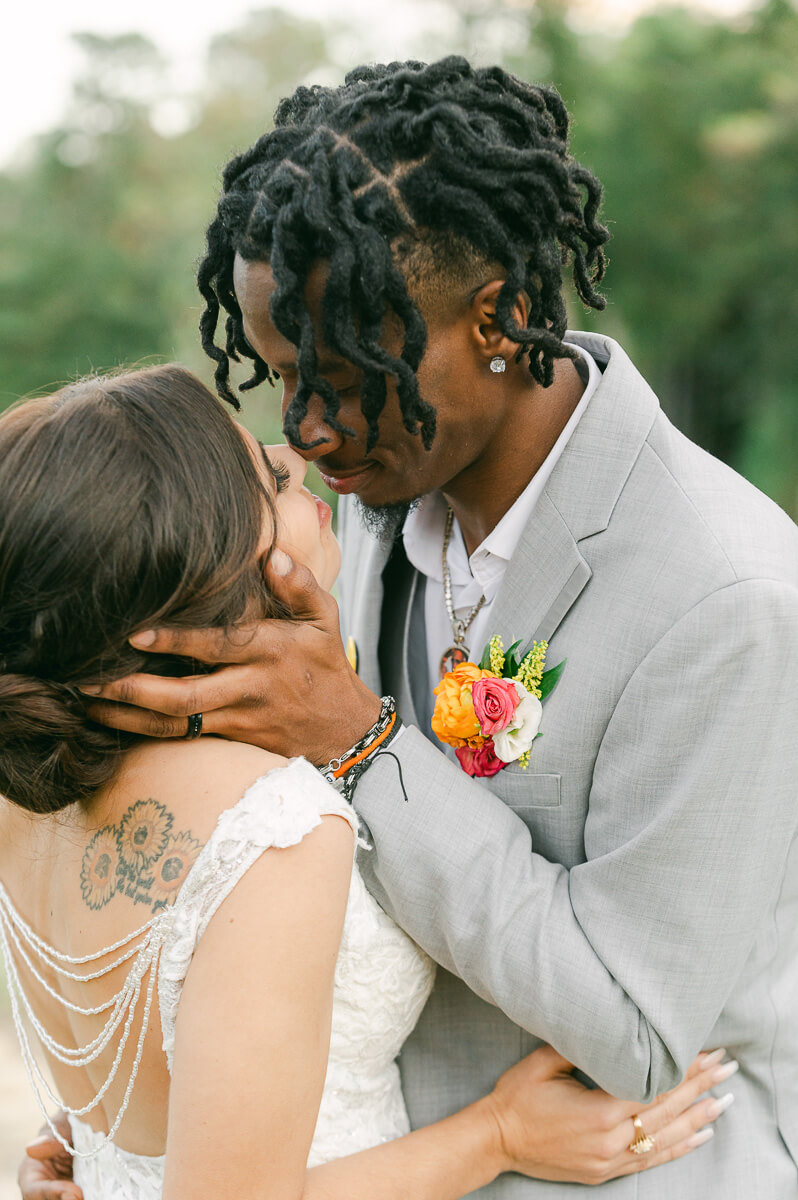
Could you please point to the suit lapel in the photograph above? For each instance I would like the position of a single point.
(414, 656)
(544, 578)
(548, 571)
(365, 587)
(407, 646)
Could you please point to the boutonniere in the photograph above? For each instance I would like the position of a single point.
(491, 713)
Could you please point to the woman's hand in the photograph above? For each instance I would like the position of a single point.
(46, 1171)
(551, 1127)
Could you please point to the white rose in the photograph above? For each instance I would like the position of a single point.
(519, 735)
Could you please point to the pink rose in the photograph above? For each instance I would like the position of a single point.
(495, 701)
(481, 762)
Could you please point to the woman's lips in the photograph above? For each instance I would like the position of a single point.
(324, 511)
(344, 484)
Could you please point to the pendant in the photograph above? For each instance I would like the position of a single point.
(455, 656)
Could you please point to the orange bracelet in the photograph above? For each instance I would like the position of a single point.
(369, 750)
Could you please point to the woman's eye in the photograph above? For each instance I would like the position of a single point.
(281, 473)
(282, 476)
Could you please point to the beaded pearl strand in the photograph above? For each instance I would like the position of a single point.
(14, 931)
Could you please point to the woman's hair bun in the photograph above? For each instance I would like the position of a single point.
(49, 756)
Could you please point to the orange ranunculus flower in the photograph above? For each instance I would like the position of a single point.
(454, 720)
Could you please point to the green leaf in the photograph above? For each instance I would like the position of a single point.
(484, 662)
(550, 679)
(511, 663)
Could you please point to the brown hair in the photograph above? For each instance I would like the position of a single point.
(126, 500)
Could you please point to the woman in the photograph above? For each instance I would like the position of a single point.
(181, 921)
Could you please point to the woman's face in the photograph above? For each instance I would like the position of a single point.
(304, 522)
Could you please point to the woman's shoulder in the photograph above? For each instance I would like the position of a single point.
(198, 786)
(195, 781)
(171, 799)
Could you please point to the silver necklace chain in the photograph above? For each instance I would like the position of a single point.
(460, 625)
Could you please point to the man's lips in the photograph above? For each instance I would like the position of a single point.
(345, 482)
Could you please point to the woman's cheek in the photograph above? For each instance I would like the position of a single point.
(333, 561)
(305, 541)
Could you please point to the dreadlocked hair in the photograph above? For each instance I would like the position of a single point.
(406, 174)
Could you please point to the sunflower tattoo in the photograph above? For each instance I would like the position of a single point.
(140, 858)
(172, 868)
(100, 867)
(143, 832)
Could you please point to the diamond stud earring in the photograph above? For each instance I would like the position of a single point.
(498, 364)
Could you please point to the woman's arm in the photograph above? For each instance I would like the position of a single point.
(253, 1026)
(539, 1120)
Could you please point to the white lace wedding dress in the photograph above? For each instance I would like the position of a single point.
(382, 981)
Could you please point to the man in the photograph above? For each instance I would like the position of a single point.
(393, 252)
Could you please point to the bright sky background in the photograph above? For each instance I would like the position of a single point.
(38, 59)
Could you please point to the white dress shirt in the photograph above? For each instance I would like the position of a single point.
(481, 573)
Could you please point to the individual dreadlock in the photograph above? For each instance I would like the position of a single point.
(405, 171)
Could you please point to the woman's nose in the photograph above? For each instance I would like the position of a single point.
(312, 437)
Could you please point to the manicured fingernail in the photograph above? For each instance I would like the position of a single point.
(725, 1072)
(715, 1056)
(699, 1138)
(280, 562)
(90, 689)
(143, 640)
(719, 1106)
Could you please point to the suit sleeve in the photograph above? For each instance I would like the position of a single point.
(623, 963)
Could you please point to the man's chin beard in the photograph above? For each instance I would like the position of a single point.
(385, 521)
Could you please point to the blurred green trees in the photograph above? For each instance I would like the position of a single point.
(100, 233)
(691, 122)
(692, 125)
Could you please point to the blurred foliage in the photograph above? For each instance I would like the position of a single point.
(101, 231)
(690, 121)
(692, 126)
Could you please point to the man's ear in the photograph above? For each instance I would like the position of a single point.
(489, 341)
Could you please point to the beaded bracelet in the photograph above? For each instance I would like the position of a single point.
(348, 769)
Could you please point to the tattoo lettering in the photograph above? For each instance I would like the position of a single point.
(140, 858)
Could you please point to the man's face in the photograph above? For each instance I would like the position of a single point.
(452, 378)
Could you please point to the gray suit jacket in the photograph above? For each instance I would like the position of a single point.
(633, 896)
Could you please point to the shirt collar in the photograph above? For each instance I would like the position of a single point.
(422, 535)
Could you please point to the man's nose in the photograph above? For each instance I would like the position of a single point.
(312, 428)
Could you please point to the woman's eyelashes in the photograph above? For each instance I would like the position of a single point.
(280, 473)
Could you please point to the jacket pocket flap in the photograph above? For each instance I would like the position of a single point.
(522, 789)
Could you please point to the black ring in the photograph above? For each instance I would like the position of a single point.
(194, 727)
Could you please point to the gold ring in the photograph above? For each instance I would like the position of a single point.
(642, 1144)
